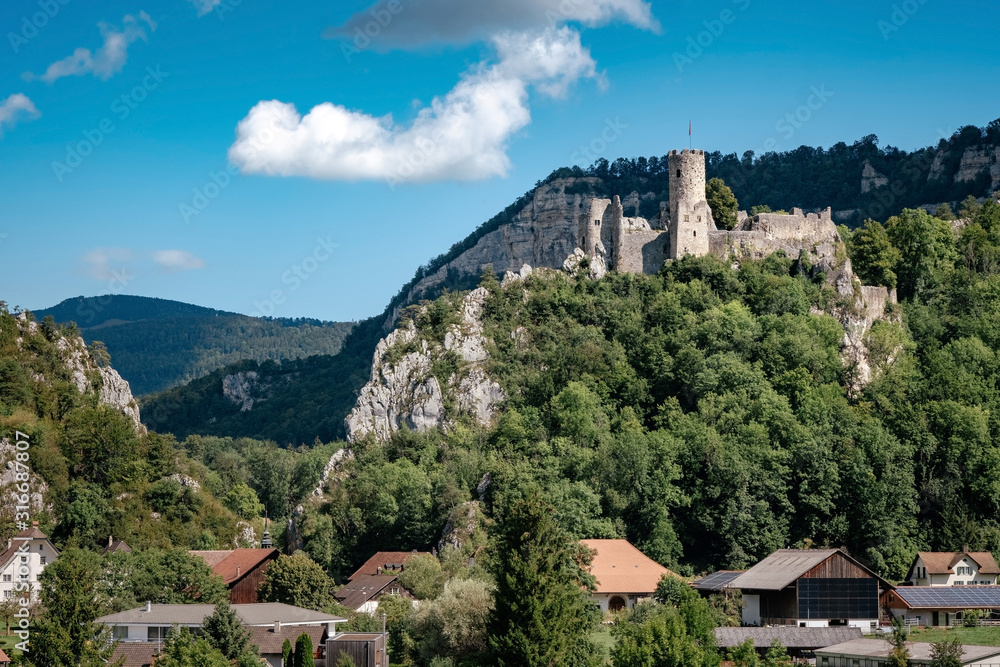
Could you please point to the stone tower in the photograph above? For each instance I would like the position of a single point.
(690, 217)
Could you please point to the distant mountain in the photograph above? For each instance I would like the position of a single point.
(157, 343)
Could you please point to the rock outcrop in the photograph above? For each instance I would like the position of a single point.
(405, 392)
(86, 374)
(248, 388)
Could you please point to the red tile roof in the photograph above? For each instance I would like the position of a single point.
(4, 660)
(234, 564)
(386, 561)
(621, 568)
(136, 654)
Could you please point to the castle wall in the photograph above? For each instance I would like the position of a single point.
(641, 250)
(592, 224)
(798, 226)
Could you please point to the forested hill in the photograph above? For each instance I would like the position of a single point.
(156, 343)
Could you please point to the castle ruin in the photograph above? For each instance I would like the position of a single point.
(685, 227)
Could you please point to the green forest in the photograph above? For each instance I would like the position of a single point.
(158, 344)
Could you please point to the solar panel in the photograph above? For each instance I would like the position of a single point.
(951, 596)
(716, 580)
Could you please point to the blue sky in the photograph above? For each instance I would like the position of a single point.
(210, 178)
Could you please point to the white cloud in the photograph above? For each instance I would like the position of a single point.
(205, 6)
(107, 263)
(14, 108)
(108, 60)
(430, 21)
(461, 136)
(173, 261)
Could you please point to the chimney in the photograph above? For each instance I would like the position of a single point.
(111, 540)
(34, 524)
(237, 571)
(277, 627)
(149, 606)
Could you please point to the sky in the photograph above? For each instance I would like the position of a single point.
(304, 159)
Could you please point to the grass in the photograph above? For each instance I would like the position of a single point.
(983, 636)
(7, 642)
(602, 638)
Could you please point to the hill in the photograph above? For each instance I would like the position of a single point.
(859, 180)
(157, 343)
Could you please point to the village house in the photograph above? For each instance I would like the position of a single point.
(141, 632)
(940, 605)
(810, 588)
(378, 576)
(366, 649)
(946, 568)
(30, 549)
(243, 570)
(875, 652)
(624, 574)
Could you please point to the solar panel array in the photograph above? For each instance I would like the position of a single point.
(986, 597)
(717, 580)
(838, 598)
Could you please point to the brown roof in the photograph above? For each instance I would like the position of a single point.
(270, 642)
(27, 534)
(943, 562)
(234, 564)
(361, 589)
(621, 568)
(115, 546)
(3, 657)
(386, 561)
(136, 654)
(784, 566)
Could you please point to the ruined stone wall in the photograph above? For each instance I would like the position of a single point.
(690, 216)
(592, 224)
(641, 250)
(798, 226)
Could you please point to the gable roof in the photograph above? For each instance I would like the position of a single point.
(944, 562)
(234, 564)
(384, 561)
(7, 555)
(879, 648)
(270, 642)
(786, 565)
(136, 654)
(3, 657)
(619, 567)
(115, 546)
(260, 613)
(790, 637)
(363, 588)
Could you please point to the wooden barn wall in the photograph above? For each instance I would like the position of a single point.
(245, 590)
(836, 567)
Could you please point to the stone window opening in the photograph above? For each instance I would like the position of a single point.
(695, 233)
(687, 218)
(597, 223)
(678, 173)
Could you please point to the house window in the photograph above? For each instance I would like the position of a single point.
(42, 560)
(120, 632)
(157, 633)
(7, 578)
(8, 595)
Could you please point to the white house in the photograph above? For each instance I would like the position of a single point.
(23, 561)
(946, 568)
(624, 574)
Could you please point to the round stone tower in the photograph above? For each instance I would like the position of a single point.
(690, 217)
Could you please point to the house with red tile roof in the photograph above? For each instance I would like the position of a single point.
(243, 570)
(624, 574)
(947, 568)
(32, 548)
(385, 562)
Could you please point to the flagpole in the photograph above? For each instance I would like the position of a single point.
(690, 141)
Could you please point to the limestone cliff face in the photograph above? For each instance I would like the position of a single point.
(248, 388)
(543, 234)
(89, 377)
(975, 160)
(404, 390)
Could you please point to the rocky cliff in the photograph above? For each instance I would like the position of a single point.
(89, 377)
(421, 383)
